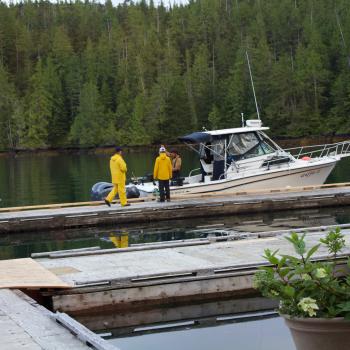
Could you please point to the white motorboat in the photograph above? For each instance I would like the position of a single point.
(246, 158)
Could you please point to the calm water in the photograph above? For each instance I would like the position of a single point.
(44, 179)
(242, 324)
(267, 334)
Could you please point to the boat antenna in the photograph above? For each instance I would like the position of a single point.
(251, 79)
(341, 34)
(242, 114)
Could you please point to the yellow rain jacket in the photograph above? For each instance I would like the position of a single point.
(118, 169)
(162, 168)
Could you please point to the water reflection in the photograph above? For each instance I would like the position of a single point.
(226, 324)
(120, 240)
(24, 244)
(268, 334)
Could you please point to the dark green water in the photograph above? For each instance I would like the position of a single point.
(43, 179)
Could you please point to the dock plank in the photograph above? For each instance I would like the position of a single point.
(26, 326)
(27, 273)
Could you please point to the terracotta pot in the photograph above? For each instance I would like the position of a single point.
(319, 333)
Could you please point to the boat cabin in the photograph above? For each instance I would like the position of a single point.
(220, 150)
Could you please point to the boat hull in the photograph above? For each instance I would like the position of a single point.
(305, 176)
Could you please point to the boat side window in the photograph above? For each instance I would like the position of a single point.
(267, 148)
(256, 151)
(248, 145)
(240, 144)
(218, 147)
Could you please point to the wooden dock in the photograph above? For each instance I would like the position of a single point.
(162, 273)
(28, 219)
(27, 325)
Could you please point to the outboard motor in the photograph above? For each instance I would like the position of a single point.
(100, 190)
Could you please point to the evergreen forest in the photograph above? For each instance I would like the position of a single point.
(82, 74)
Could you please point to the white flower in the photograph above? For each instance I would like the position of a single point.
(320, 273)
(308, 305)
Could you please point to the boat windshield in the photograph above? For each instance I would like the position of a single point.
(247, 145)
(238, 146)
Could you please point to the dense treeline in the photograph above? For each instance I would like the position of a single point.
(85, 74)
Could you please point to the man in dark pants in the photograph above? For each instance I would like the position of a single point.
(176, 163)
(163, 172)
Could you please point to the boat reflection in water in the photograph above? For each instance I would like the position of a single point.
(249, 323)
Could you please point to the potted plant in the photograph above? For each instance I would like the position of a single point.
(314, 296)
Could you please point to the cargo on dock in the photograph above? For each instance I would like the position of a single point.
(95, 214)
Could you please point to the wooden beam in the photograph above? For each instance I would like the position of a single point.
(82, 332)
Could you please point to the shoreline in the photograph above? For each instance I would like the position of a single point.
(283, 141)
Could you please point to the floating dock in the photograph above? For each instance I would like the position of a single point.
(27, 325)
(163, 273)
(62, 216)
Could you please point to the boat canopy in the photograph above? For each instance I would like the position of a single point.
(208, 136)
(196, 137)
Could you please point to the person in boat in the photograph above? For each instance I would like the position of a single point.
(118, 172)
(176, 163)
(163, 173)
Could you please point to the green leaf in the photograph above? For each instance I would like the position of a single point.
(283, 272)
(282, 262)
(289, 290)
(345, 306)
(292, 259)
(312, 251)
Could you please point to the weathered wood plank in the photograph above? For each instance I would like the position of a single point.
(24, 325)
(82, 332)
(27, 273)
(164, 245)
(46, 254)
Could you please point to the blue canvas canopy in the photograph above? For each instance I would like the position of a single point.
(196, 137)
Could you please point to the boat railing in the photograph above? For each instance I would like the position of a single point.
(318, 151)
(193, 171)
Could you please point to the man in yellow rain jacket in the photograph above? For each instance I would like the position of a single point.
(118, 172)
(163, 173)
